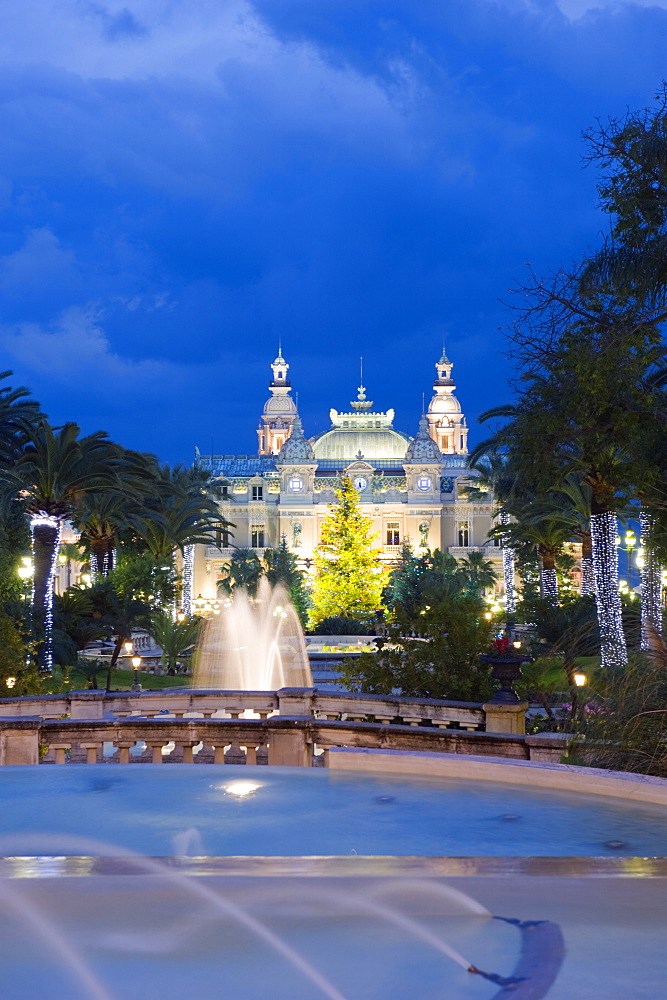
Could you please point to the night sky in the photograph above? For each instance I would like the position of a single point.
(185, 182)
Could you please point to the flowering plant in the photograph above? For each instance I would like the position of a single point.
(502, 646)
(503, 649)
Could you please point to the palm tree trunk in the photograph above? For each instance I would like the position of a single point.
(548, 578)
(587, 573)
(45, 542)
(101, 557)
(120, 639)
(651, 585)
(607, 598)
(188, 576)
(508, 569)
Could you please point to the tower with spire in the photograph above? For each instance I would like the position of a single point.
(279, 413)
(446, 423)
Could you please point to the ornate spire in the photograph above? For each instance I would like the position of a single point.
(446, 423)
(361, 403)
(296, 450)
(423, 450)
(279, 410)
(280, 369)
(444, 369)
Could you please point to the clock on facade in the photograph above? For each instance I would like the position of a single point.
(296, 484)
(360, 483)
(424, 483)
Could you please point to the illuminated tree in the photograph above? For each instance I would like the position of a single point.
(349, 577)
(54, 472)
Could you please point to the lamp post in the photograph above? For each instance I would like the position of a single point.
(205, 606)
(627, 544)
(136, 663)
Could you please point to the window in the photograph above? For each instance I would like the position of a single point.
(258, 492)
(224, 490)
(296, 484)
(393, 534)
(257, 536)
(464, 533)
(222, 538)
(424, 483)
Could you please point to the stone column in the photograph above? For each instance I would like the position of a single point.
(502, 718)
(60, 749)
(124, 750)
(91, 751)
(156, 750)
(290, 742)
(19, 741)
(296, 701)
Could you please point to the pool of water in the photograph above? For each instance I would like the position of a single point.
(130, 937)
(222, 811)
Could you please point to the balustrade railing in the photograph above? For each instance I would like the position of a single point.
(233, 704)
(292, 726)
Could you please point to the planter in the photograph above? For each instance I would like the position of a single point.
(506, 670)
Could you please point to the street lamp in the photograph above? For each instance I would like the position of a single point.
(127, 646)
(26, 568)
(136, 663)
(580, 680)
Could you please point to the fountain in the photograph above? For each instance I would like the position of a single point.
(171, 915)
(301, 883)
(254, 644)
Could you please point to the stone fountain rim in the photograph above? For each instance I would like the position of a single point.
(626, 785)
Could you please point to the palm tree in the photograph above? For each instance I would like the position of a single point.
(18, 417)
(495, 475)
(103, 517)
(546, 532)
(186, 505)
(175, 638)
(478, 572)
(77, 624)
(242, 572)
(120, 611)
(52, 475)
(578, 509)
(598, 464)
(89, 669)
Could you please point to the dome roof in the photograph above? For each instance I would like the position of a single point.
(280, 404)
(296, 449)
(423, 449)
(444, 404)
(346, 443)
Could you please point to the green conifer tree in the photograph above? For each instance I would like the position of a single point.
(282, 567)
(349, 578)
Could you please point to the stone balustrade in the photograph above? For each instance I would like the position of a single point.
(288, 701)
(289, 726)
(275, 740)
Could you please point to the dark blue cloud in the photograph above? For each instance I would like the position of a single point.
(184, 183)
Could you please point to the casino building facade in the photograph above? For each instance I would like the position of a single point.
(413, 489)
